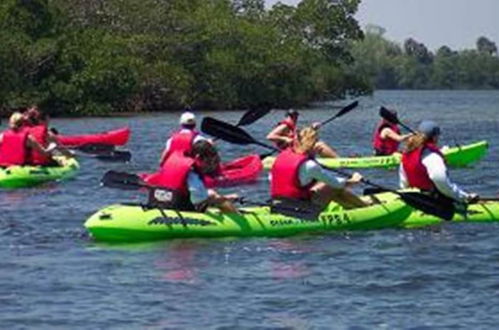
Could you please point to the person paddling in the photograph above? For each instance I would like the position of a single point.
(423, 166)
(16, 143)
(36, 124)
(296, 176)
(183, 139)
(387, 137)
(183, 175)
(284, 133)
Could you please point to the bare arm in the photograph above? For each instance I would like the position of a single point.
(388, 133)
(31, 143)
(279, 135)
(52, 140)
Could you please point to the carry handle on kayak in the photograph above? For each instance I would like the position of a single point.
(237, 135)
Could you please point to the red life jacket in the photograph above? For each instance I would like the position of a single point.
(40, 135)
(181, 141)
(415, 171)
(291, 125)
(385, 146)
(285, 176)
(13, 149)
(173, 175)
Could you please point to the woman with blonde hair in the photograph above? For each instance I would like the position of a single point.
(423, 166)
(16, 143)
(296, 175)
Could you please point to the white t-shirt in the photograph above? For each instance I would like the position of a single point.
(437, 171)
(196, 187)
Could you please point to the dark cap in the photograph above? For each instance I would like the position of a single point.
(292, 113)
(429, 128)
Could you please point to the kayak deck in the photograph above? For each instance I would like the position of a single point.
(460, 156)
(127, 223)
(117, 137)
(485, 211)
(30, 176)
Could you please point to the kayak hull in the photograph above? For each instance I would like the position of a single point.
(117, 137)
(461, 156)
(30, 176)
(131, 223)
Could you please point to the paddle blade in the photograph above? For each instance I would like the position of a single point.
(428, 205)
(252, 116)
(122, 180)
(343, 111)
(225, 131)
(347, 109)
(95, 148)
(115, 156)
(389, 115)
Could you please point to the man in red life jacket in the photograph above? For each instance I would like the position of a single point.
(182, 174)
(16, 143)
(423, 166)
(37, 127)
(387, 137)
(285, 132)
(295, 175)
(183, 139)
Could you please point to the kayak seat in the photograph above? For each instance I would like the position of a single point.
(295, 208)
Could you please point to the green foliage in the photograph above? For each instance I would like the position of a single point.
(389, 66)
(87, 57)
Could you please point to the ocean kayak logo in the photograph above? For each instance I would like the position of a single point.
(179, 221)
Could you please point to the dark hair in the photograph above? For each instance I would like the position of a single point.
(188, 126)
(208, 154)
(292, 113)
(34, 116)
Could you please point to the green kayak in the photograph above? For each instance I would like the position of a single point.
(128, 223)
(479, 212)
(29, 176)
(461, 156)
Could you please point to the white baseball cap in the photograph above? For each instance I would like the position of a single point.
(187, 118)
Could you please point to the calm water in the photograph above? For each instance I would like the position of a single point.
(54, 276)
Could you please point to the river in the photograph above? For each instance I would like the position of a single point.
(53, 275)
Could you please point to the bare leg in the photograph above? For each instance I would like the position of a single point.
(323, 150)
(324, 194)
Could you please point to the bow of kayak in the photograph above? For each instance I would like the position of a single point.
(30, 176)
(117, 137)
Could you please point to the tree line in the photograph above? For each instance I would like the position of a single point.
(388, 65)
(94, 57)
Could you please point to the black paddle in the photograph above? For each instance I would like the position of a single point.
(237, 135)
(252, 116)
(340, 113)
(392, 118)
(123, 180)
(111, 156)
(104, 152)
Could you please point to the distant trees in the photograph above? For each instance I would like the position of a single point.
(95, 57)
(387, 65)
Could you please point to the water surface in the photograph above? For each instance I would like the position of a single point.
(54, 276)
